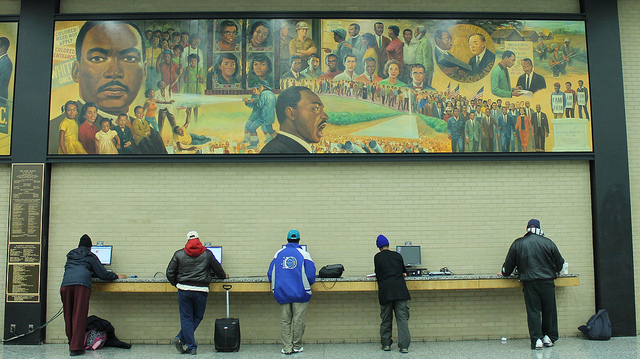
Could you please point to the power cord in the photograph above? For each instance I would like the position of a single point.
(35, 329)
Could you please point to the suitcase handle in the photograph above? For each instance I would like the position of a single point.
(227, 287)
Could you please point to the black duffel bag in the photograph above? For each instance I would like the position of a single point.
(331, 271)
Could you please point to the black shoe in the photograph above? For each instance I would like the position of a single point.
(178, 344)
(386, 348)
(193, 352)
(74, 353)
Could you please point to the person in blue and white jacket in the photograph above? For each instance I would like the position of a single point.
(291, 273)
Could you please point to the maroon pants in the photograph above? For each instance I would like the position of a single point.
(75, 303)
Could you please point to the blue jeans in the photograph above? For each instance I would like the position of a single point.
(192, 307)
(580, 107)
(197, 140)
(252, 127)
(506, 142)
(152, 122)
(457, 144)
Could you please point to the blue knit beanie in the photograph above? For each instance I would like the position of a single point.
(533, 223)
(382, 241)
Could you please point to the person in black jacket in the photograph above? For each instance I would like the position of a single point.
(190, 271)
(75, 291)
(538, 261)
(393, 295)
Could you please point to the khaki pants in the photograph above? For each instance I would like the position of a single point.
(293, 321)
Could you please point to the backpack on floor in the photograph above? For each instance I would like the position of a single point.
(94, 339)
(598, 326)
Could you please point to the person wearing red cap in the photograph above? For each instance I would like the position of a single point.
(75, 291)
(190, 271)
(393, 295)
(538, 261)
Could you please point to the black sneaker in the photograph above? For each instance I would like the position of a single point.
(386, 348)
(74, 353)
(193, 352)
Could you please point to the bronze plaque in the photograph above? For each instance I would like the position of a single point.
(23, 279)
(25, 233)
(23, 298)
(24, 253)
(25, 220)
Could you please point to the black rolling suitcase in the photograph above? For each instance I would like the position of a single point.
(227, 331)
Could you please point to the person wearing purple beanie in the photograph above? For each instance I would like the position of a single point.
(393, 295)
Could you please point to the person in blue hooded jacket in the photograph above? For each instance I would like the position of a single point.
(291, 273)
(75, 291)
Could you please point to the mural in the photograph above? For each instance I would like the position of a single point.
(8, 39)
(280, 86)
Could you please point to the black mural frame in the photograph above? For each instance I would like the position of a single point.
(320, 157)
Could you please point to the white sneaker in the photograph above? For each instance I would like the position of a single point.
(546, 341)
(298, 350)
(538, 344)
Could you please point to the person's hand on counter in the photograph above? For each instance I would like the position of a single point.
(122, 276)
(500, 274)
(227, 276)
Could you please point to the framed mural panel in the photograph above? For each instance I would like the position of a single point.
(233, 86)
(8, 39)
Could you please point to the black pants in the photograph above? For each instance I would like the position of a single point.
(542, 314)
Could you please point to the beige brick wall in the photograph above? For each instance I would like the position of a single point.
(629, 10)
(463, 214)
(9, 7)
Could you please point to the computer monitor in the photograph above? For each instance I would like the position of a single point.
(103, 253)
(217, 252)
(304, 246)
(410, 255)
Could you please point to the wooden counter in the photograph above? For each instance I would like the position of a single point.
(348, 284)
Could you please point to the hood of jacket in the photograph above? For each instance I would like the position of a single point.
(194, 247)
(78, 253)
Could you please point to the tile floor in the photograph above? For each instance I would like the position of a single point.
(618, 348)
